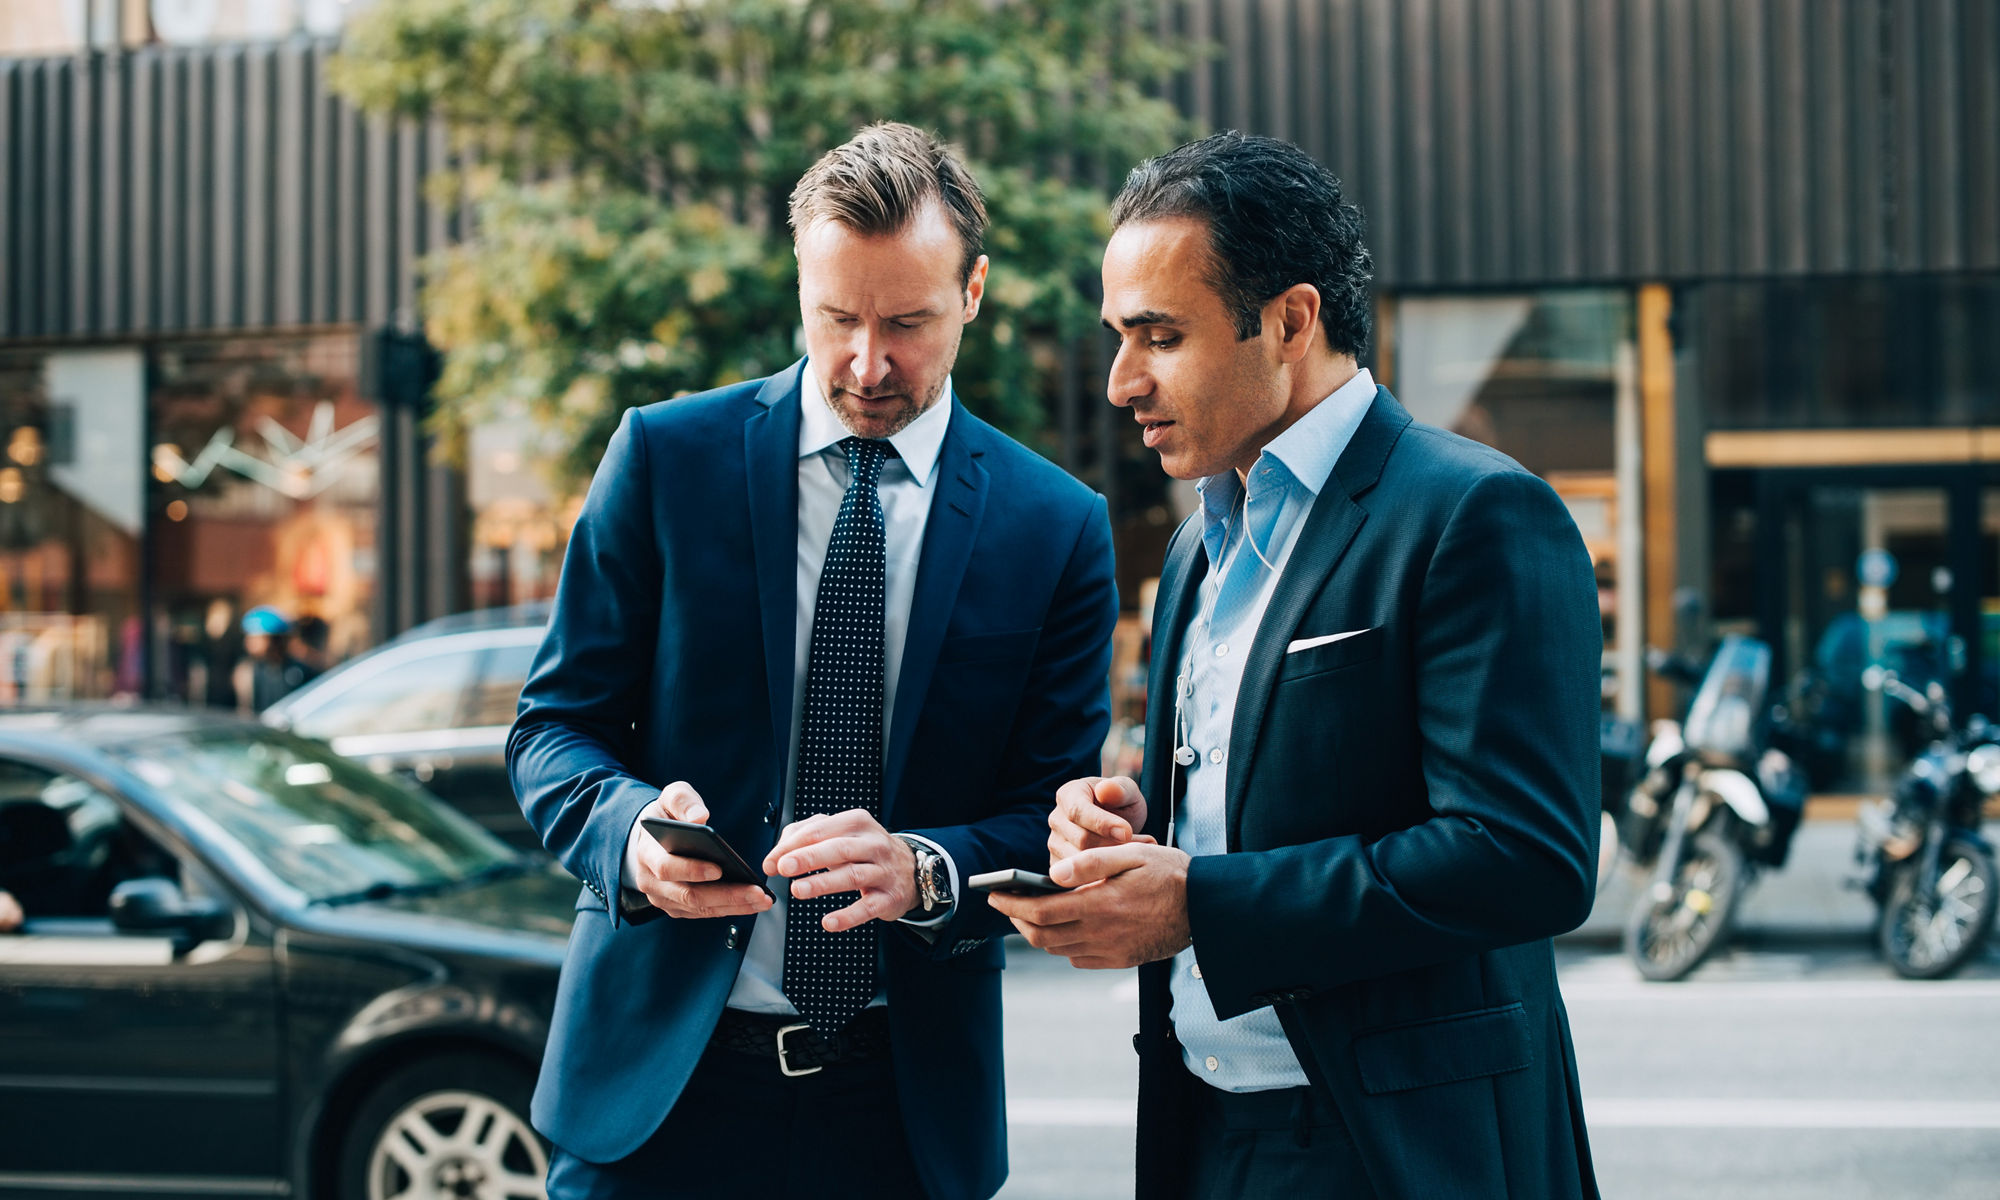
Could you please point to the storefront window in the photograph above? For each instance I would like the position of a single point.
(70, 517)
(1860, 353)
(266, 486)
(519, 522)
(1536, 377)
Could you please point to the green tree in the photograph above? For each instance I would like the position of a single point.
(628, 164)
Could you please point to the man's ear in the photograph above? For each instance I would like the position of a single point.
(975, 288)
(1294, 313)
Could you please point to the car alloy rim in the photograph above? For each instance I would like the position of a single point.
(457, 1145)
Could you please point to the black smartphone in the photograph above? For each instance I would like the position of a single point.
(701, 841)
(1026, 883)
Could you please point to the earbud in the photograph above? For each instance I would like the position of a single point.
(1184, 755)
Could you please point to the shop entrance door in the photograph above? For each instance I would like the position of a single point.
(1878, 566)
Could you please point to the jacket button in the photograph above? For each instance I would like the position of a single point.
(731, 942)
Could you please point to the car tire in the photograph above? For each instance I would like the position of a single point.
(449, 1125)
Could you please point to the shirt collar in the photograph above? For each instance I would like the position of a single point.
(918, 443)
(1307, 451)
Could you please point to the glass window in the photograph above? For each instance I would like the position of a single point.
(1829, 354)
(519, 523)
(498, 692)
(71, 497)
(330, 828)
(412, 696)
(1535, 376)
(64, 844)
(266, 491)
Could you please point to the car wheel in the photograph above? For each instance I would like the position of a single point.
(451, 1127)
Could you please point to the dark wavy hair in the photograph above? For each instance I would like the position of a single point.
(1275, 218)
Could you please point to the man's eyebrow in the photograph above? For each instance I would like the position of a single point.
(1148, 317)
(912, 315)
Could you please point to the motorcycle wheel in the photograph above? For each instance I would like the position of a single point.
(1669, 935)
(1932, 938)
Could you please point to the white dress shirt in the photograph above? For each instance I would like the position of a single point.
(905, 488)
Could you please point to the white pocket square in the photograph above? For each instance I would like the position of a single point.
(1309, 643)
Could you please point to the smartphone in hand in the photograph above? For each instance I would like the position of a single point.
(1015, 880)
(690, 840)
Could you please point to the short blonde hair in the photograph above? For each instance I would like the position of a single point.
(882, 177)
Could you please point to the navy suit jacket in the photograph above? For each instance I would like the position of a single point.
(1411, 815)
(669, 656)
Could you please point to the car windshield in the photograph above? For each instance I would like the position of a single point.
(326, 826)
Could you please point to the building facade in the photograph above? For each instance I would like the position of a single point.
(1727, 272)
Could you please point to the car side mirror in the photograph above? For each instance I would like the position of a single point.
(155, 905)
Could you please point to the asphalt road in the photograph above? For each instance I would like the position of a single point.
(1793, 1065)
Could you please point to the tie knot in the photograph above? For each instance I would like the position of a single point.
(864, 458)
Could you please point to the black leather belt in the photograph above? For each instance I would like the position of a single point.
(798, 1048)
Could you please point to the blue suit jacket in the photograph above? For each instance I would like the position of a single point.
(669, 656)
(1411, 815)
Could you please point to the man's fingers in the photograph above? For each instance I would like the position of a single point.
(815, 829)
(871, 907)
(683, 869)
(834, 852)
(683, 803)
(853, 877)
(1117, 793)
(1093, 865)
(700, 900)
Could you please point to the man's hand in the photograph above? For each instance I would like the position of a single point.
(680, 886)
(1095, 812)
(1129, 907)
(852, 853)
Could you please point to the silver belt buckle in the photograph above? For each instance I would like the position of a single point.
(785, 1064)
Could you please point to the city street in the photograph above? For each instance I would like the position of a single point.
(1793, 1065)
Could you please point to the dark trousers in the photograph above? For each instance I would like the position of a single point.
(742, 1129)
(1288, 1144)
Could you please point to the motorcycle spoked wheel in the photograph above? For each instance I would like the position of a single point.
(1930, 939)
(1668, 937)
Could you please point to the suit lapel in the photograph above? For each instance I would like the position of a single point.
(1180, 582)
(949, 534)
(1329, 529)
(771, 452)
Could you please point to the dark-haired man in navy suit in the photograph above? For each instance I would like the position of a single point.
(864, 636)
(1370, 789)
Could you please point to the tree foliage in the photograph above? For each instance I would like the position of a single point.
(628, 164)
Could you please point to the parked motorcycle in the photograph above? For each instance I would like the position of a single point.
(1716, 804)
(1924, 861)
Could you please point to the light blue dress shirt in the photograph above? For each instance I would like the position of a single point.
(1248, 530)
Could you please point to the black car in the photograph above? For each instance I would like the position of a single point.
(433, 706)
(252, 967)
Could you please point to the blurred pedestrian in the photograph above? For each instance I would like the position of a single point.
(811, 610)
(269, 670)
(310, 636)
(1370, 788)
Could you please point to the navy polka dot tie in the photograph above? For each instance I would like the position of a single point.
(830, 977)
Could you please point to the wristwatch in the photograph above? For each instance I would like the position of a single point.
(933, 878)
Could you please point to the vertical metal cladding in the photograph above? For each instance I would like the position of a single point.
(1498, 143)
(1493, 143)
(171, 190)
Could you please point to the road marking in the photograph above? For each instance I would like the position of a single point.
(1811, 991)
(1732, 1113)
(1737, 1113)
(1042, 1110)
